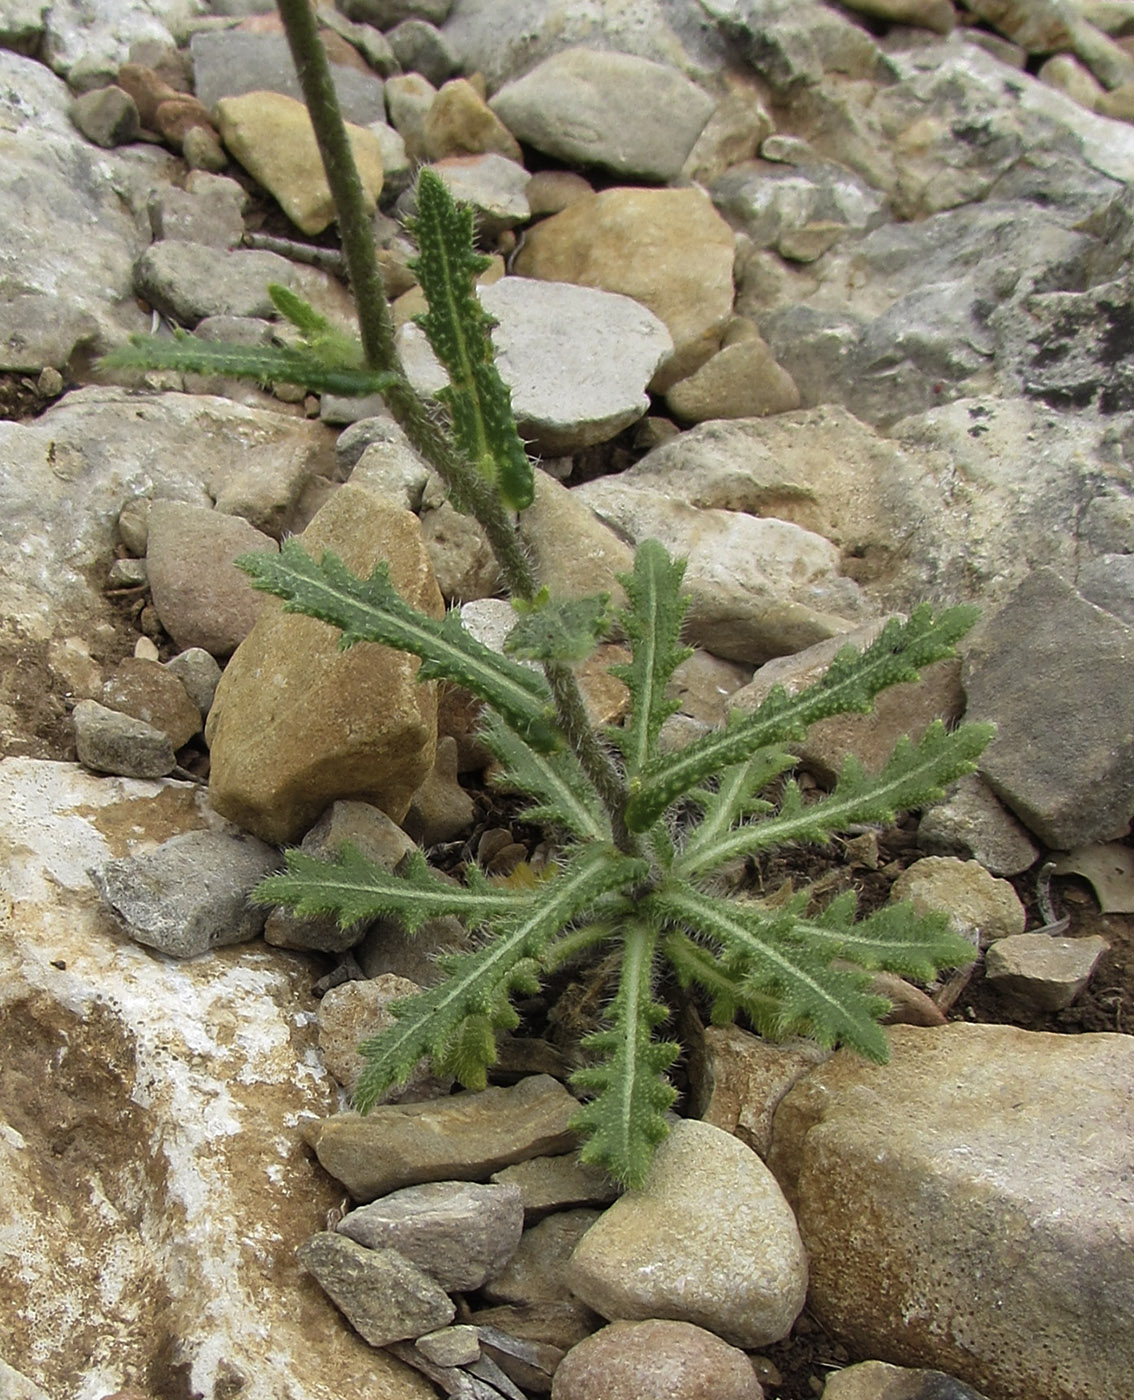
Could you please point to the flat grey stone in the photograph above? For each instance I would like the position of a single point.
(459, 1233)
(188, 281)
(384, 1297)
(190, 893)
(228, 64)
(627, 114)
(1052, 671)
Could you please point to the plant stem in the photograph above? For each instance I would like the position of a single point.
(376, 325)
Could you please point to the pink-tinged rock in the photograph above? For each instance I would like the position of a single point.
(296, 723)
(655, 1360)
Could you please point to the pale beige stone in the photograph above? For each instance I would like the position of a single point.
(461, 123)
(741, 381)
(708, 1240)
(1043, 970)
(668, 249)
(968, 1207)
(272, 137)
(979, 906)
(297, 723)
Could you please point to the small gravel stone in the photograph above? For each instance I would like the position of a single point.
(108, 116)
(655, 1360)
(147, 691)
(108, 741)
(1045, 971)
(450, 1346)
(384, 1297)
(459, 1233)
(199, 673)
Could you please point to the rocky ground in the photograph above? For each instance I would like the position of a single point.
(833, 300)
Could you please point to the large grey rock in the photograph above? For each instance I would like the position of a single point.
(671, 1250)
(188, 281)
(69, 292)
(576, 359)
(104, 32)
(980, 1177)
(144, 1114)
(505, 43)
(228, 64)
(626, 114)
(1052, 671)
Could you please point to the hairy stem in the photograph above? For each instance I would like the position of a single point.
(375, 322)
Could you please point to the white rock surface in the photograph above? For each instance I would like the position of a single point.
(153, 1182)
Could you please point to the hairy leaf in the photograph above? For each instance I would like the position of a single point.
(479, 982)
(625, 1120)
(563, 795)
(566, 631)
(653, 627)
(849, 684)
(370, 610)
(914, 775)
(457, 327)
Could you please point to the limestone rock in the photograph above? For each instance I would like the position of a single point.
(905, 709)
(760, 587)
(979, 1176)
(576, 359)
(369, 831)
(668, 249)
(188, 281)
(296, 723)
(353, 1012)
(440, 809)
(556, 1183)
(1080, 788)
(420, 47)
(653, 1361)
(980, 907)
(108, 741)
(739, 381)
(462, 1138)
(107, 116)
(877, 1380)
(191, 893)
(670, 1250)
(383, 1296)
(971, 823)
(271, 136)
(228, 63)
(147, 691)
(165, 1088)
(457, 1232)
(627, 114)
(460, 122)
(1042, 970)
(202, 599)
(537, 1271)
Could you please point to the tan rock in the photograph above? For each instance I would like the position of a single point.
(668, 249)
(981, 1177)
(461, 123)
(596, 554)
(655, 1360)
(979, 906)
(1042, 970)
(297, 723)
(146, 690)
(740, 381)
(462, 1138)
(670, 1250)
(938, 15)
(271, 136)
